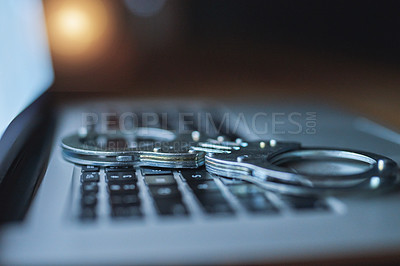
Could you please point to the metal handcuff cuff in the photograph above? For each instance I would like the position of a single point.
(283, 167)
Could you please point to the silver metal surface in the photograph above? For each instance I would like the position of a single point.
(142, 147)
(283, 167)
(262, 164)
(358, 227)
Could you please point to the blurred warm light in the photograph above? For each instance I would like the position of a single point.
(79, 30)
(74, 23)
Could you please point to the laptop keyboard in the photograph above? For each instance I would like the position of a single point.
(138, 193)
(170, 189)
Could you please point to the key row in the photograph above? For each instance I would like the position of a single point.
(211, 198)
(164, 190)
(89, 191)
(123, 193)
(250, 196)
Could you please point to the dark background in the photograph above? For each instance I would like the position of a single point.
(358, 29)
(342, 52)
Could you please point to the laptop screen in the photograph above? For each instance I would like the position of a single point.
(25, 62)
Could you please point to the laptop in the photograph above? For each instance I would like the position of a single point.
(56, 212)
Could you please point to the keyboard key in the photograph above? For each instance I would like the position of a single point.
(90, 168)
(171, 207)
(125, 200)
(258, 204)
(121, 176)
(214, 203)
(90, 177)
(245, 190)
(204, 187)
(151, 171)
(89, 187)
(115, 188)
(154, 180)
(130, 188)
(305, 203)
(87, 213)
(210, 197)
(128, 175)
(88, 200)
(126, 211)
(219, 207)
(112, 176)
(232, 181)
(195, 175)
(119, 169)
(165, 192)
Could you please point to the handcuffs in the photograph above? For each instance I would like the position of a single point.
(282, 167)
